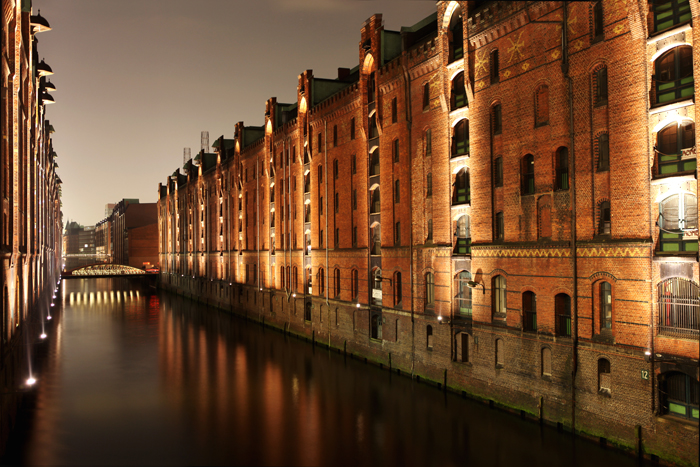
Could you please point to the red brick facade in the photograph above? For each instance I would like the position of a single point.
(535, 241)
(31, 219)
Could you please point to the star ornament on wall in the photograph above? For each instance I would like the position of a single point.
(516, 48)
(481, 63)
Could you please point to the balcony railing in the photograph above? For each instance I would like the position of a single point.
(668, 164)
(680, 318)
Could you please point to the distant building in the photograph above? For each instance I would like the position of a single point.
(79, 245)
(129, 235)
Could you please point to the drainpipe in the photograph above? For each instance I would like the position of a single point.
(325, 176)
(574, 315)
(257, 226)
(409, 126)
(651, 286)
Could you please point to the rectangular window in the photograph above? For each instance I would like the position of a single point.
(498, 171)
(499, 226)
(320, 205)
(320, 239)
(354, 237)
(337, 237)
(397, 234)
(394, 111)
(335, 136)
(354, 199)
(426, 97)
(429, 185)
(494, 67)
(598, 21)
(430, 229)
(352, 128)
(428, 142)
(397, 192)
(320, 142)
(603, 152)
(337, 202)
(396, 150)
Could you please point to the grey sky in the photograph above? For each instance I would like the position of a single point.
(138, 80)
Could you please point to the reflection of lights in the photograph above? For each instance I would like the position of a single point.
(43, 335)
(31, 381)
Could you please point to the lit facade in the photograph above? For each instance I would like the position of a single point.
(31, 224)
(501, 198)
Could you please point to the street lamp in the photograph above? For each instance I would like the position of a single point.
(474, 285)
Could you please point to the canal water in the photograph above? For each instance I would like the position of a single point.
(132, 376)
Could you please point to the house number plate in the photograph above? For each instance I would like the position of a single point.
(645, 374)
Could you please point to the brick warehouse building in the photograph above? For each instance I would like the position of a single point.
(418, 210)
(31, 221)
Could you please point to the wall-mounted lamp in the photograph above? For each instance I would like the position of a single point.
(474, 285)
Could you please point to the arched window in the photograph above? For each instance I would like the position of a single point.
(456, 36)
(371, 86)
(307, 311)
(669, 13)
(398, 289)
(463, 299)
(460, 138)
(376, 205)
(679, 395)
(336, 282)
(600, 86)
(529, 312)
(458, 93)
(675, 145)
(321, 281)
(429, 336)
(429, 289)
(679, 308)
(463, 236)
(604, 218)
(377, 286)
(546, 362)
(605, 306)
(373, 131)
(428, 142)
(376, 326)
(461, 193)
(527, 174)
(374, 163)
(562, 311)
(496, 120)
(499, 297)
(678, 219)
(674, 75)
(604, 378)
(376, 240)
(542, 105)
(282, 284)
(462, 347)
(500, 357)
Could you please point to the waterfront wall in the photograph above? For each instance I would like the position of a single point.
(515, 385)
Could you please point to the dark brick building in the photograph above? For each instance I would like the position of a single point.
(501, 198)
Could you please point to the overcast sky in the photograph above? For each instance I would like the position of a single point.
(139, 80)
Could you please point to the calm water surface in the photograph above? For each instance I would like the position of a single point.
(131, 376)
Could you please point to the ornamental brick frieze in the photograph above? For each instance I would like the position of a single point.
(516, 252)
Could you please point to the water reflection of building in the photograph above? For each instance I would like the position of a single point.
(31, 222)
(536, 241)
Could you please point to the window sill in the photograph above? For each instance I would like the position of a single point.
(547, 378)
(659, 107)
(499, 366)
(688, 424)
(604, 392)
(600, 104)
(540, 125)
